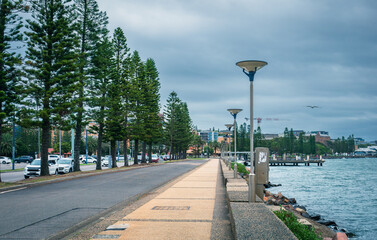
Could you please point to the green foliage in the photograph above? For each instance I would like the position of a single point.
(177, 127)
(301, 231)
(343, 145)
(74, 72)
(197, 143)
(51, 69)
(10, 26)
(240, 168)
(90, 25)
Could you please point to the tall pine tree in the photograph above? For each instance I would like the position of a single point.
(101, 74)
(91, 25)
(153, 122)
(10, 25)
(51, 67)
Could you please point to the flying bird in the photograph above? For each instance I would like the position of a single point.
(312, 107)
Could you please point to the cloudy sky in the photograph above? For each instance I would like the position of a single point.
(319, 52)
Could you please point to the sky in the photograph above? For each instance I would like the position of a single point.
(319, 52)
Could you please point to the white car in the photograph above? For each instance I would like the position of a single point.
(53, 157)
(34, 168)
(65, 165)
(90, 159)
(105, 163)
(5, 160)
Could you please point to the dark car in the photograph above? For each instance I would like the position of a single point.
(27, 159)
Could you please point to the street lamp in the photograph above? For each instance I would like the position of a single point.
(234, 112)
(250, 67)
(229, 126)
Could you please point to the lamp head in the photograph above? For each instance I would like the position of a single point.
(234, 111)
(250, 67)
(229, 126)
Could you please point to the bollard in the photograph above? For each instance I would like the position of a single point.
(235, 170)
(230, 165)
(252, 187)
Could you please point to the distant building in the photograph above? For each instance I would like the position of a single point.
(359, 141)
(209, 136)
(321, 137)
(270, 136)
(298, 132)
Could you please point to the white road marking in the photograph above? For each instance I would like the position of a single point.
(12, 190)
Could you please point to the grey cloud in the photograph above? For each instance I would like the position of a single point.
(319, 53)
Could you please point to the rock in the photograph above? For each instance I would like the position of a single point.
(267, 193)
(286, 200)
(327, 223)
(305, 214)
(292, 200)
(279, 195)
(300, 210)
(302, 207)
(288, 207)
(270, 202)
(316, 217)
(269, 185)
(265, 198)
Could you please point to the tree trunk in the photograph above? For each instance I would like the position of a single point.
(150, 152)
(1, 131)
(113, 152)
(77, 144)
(125, 152)
(144, 149)
(44, 150)
(171, 152)
(99, 147)
(136, 150)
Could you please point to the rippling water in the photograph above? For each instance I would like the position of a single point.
(342, 190)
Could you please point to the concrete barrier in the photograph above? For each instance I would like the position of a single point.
(251, 220)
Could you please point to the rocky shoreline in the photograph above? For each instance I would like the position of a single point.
(323, 227)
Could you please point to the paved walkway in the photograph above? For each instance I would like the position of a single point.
(193, 208)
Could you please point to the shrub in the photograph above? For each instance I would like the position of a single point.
(241, 169)
(301, 231)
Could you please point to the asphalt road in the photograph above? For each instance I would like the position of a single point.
(15, 176)
(42, 211)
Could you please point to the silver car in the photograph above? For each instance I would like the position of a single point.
(34, 168)
(65, 165)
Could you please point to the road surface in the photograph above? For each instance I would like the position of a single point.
(43, 211)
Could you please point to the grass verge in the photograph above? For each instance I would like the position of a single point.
(301, 231)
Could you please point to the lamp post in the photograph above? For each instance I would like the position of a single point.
(250, 67)
(86, 145)
(234, 112)
(229, 126)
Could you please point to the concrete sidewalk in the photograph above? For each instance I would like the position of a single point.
(192, 208)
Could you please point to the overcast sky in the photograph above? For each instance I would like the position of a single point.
(319, 52)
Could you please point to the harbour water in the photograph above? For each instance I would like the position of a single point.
(342, 190)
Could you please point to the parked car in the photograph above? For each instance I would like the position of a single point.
(65, 165)
(155, 158)
(105, 162)
(34, 168)
(90, 159)
(53, 157)
(5, 160)
(27, 159)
